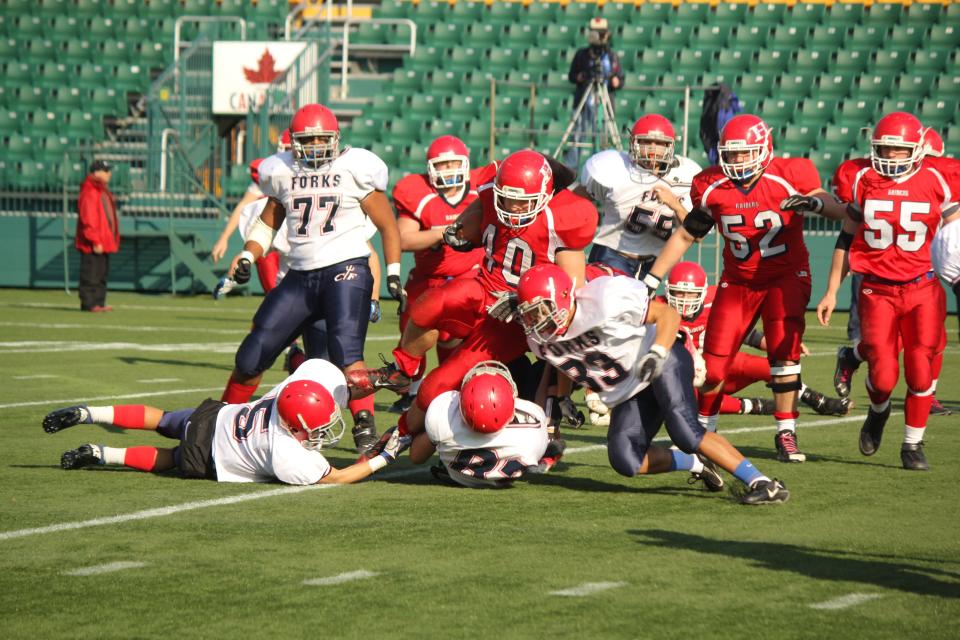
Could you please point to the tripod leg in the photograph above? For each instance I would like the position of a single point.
(574, 120)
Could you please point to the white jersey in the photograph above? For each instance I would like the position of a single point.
(251, 446)
(486, 459)
(324, 222)
(607, 336)
(945, 253)
(632, 221)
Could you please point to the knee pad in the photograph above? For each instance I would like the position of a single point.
(785, 387)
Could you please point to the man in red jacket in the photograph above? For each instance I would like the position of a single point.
(98, 235)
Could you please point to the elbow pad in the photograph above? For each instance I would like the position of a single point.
(698, 223)
(854, 212)
(261, 233)
(844, 240)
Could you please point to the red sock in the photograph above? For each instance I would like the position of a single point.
(363, 404)
(402, 425)
(142, 458)
(129, 416)
(916, 410)
(729, 404)
(408, 363)
(709, 404)
(237, 393)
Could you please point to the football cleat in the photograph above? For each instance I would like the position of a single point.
(787, 449)
(225, 285)
(86, 455)
(364, 382)
(911, 455)
(294, 358)
(872, 431)
(937, 409)
(441, 473)
(847, 364)
(826, 406)
(365, 433)
(65, 418)
(551, 456)
(766, 492)
(404, 402)
(712, 480)
(758, 406)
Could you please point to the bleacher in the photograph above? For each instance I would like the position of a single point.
(816, 72)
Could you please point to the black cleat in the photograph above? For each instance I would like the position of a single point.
(758, 406)
(86, 455)
(787, 449)
(364, 382)
(551, 456)
(766, 492)
(365, 433)
(912, 457)
(404, 402)
(872, 431)
(847, 364)
(294, 358)
(824, 405)
(937, 409)
(712, 480)
(67, 417)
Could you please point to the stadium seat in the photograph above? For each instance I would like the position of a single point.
(691, 62)
(814, 112)
(542, 58)
(866, 38)
(113, 52)
(843, 14)
(654, 13)
(889, 105)
(387, 152)
(9, 122)
(841, 135)
(832, 85)
(407, 81)
(483, 35)
(937, 113)
(927, 61)
(787, 38)
(809, 61)
(882, 14)
(53, 76)
(945, 36)
(101, 29)
(546, 109)
(426, 13)
(618, 14)
(856, 112)
(800, 136)
(443, 83)
(507, 107)
(872, 86)
(448, 34)
(108, 101)
(423, 107)
(500, 61)
(826, 36)
(806, 14)
(776, 112)
(40, 52)
(795, 86)
(396, 9)
(152, 55)
(64, 27)
(541, 13)
(755, 86)
(559, 36)
(466, 13)
(464, 107)
(912, 85)
(385, 107)
(503, 13)
(519, 36)
(635, 36)
(947, 86)
(436, 128)
(30, 27)
(749, 38)
(92, 8)
(709, 37)
(769, 14)
(905, 38)
(889, 62)
(770, 61)
(403, 132)
(731, 62)
(426, 58)
(674, 36)
(922, 13)
(19, 149)
(691, 14)
(849, 62)
(67, 99)
(730, 14)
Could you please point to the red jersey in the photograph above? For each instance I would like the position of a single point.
(696, 326)
(415, 198)
(567, 222)
(844, 176)
(763, 243)
(900, 218)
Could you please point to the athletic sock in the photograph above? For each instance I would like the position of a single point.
(112, 455)
(100, 415)
(681, 461)
(913, 435)
(237, 393)
(142, 458)
(415, 386)
(730, 404)
(408, 363)
(708, 422)
(786, 420)
(748, 474)
(363, 404)
(880, 407)
(129, 416)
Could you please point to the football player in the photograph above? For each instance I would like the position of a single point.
(642, 196)
(758, 201)
(519, 221)
(897, 205)
(426, 204)
(322, 196)
(486, 436)
(687, 291)
(611, 337)
(278, 437)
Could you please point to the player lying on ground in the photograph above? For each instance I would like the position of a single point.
(613, 339)
(278, 437)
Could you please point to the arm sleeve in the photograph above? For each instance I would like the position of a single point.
(842, 183)
(292, 464)
(89, 218)
(597, 190)
(373, 175)
(403, 201)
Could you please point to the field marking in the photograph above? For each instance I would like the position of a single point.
(340, 578)
(159, 380)
(214, 309)
(588, 588)
(842, 602)
(37, 376)
(239, 332)
(126, 396)
(110, 567)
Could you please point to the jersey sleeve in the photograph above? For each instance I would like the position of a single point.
(842, 181)
(404, 198)
(803, 175)
(293, 464)
(577, 224)
(483, 175)
(699, 185)
(590, 181)
(272, 180)
(369, 171)
(437, 421)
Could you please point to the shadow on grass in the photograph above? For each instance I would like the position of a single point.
(174, 363)
(820, 564)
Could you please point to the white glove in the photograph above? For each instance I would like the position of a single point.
(650, 365)
(224, 286)
(699, 369)
(393, 444)
(595, 404)
(504, 307)
(599, 419)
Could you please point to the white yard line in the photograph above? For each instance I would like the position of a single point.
(239, 331)
(159, 380)
(87, 400)
(350, 576)
(37, 376)
(588, 588)
(110, 567)
(842, 602)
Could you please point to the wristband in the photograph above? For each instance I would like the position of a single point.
(660, 350)
(393, 269)
(651, 281)
(376, 463)
(246, 255)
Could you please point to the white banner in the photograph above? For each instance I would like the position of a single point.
(242, 71)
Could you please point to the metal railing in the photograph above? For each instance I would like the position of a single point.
(411, 47)
(202, 20)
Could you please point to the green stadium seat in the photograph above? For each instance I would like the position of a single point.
(64, 27)
(82, 124)
(664, 106)
(709, 37)
(635, 36)
(559, 36)
(755, 86)
(542, 58)
(53, 76)
(394, 9)
(31, 98)
(730, 62)
(750, 37)
(937, 113)
(546, 108)
(114, 52)
(654, 13)
(856, 112)
(947, 86)
(500, 61)
(927, 61)
(108, 101)
(443, 83)
(809, 61)
(483, 35)
(872, 86)
(426, 58)
(90, 76)
(67, 99)
(843, 14)
(800, 136)
(826, 162)
(407, 81)
(795, 86)
(9, 122)
(866, 38)
(477, 84)
(101, 29)
(57, 148)
(429, 12)
(691, 14)
(923, 13)
(17, 74)
(850, 62)
(768, 15)
(91, 8)
(656, 59)
(841, 135)
(826, 36)
(404, 131)
(541, 13)
(945, 36)
(436, 128)
(466, 13)
(674, 36)
(423, 107)
(889, 62)
(730, 14)
(136, 30)
(447, 34)
(19, 149)
(806, 14)
(814, 112)
(415, 158)
(464, 107)
(40, 52)
(787, 37)
(883, 14)
(520, 36)
(578, 14)
(618, 14)
(905, 38)
(518, 84)
(507, 107)
(503, 13)
(30, 27)
(132, 78)
(232, 8)
(152, 55)
(776, 111)
(370, 33)
(691, 62)
(912, 86)
(718, 77)
(389, 153)
(832, 85)
(363, 131)
(889, 105)
(951, 138)
(385, 107)
(32, 175)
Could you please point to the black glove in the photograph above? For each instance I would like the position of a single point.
(505, 307)
(451, 239)
(241, 275)
(650, 366)
(571, 414)
(802, 203)
(397, 292)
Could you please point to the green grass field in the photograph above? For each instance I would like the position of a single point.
(863, 549)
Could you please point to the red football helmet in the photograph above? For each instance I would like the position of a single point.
(745, 134)
(522, 189)
(933, 144)
(487, 397)
(897, 130)
(448, 149)
(283, 143)
(651, 143)
(315, 134)
(255, 170)
(545, 297)
(687, 288)
(310, 414)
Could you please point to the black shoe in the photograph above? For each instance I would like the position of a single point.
(872, 431)
(403, 403)
(712, 480)
(937, 409)
(441, 473)
(787, 448)
(826, 406)
(364, 382)
(551, 456)
(847, 364)
(911, 455)
(86, 455)
(294, 358)
(364, 432)
(66, 417)
(758, 406)
(766, 492)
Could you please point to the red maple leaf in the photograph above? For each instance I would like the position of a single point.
(265, 72)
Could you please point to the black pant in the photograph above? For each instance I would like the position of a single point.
(93, 280)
